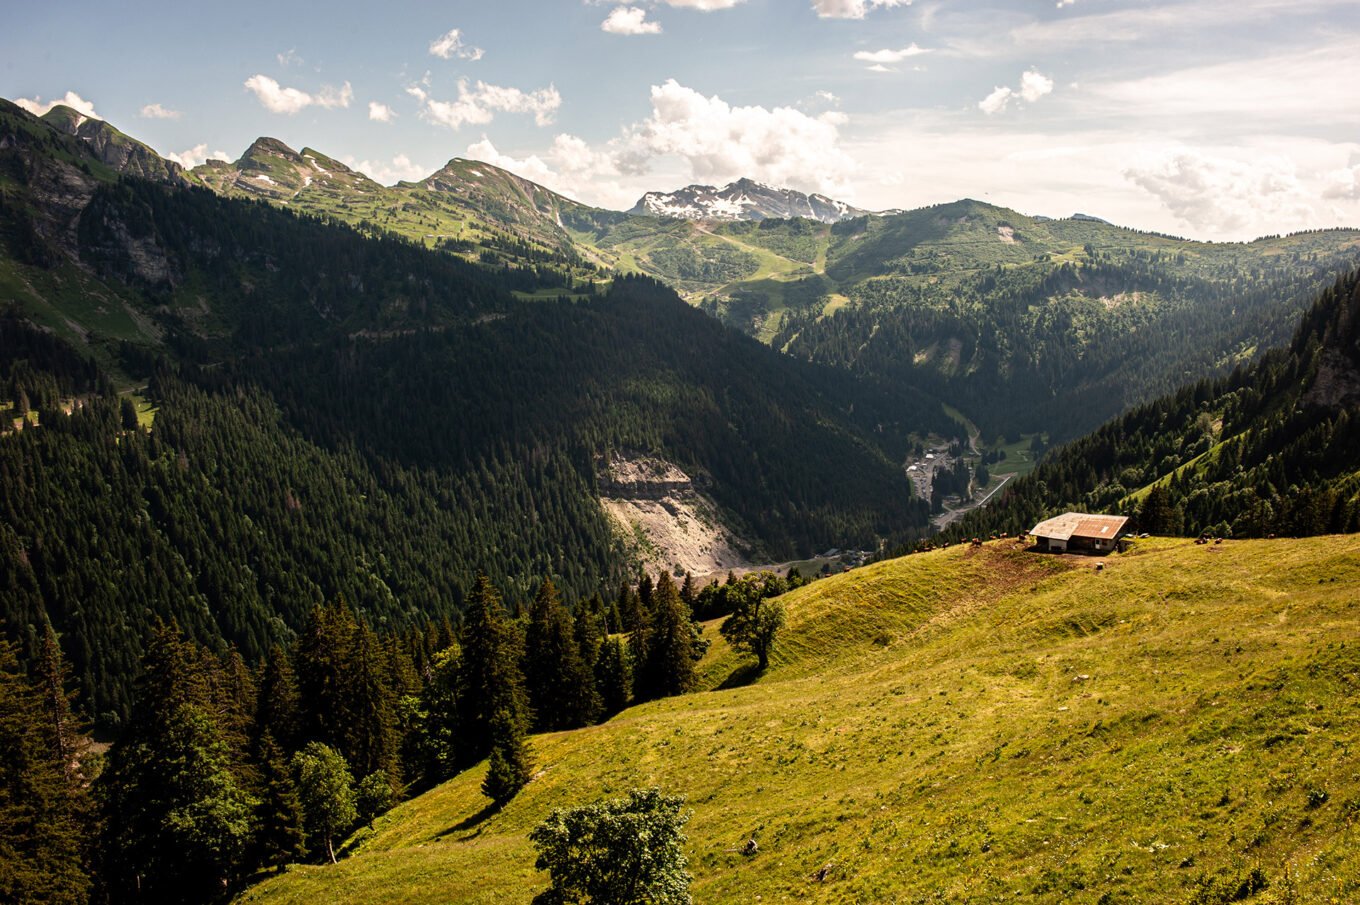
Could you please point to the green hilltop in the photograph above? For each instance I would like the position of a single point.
(977, 724)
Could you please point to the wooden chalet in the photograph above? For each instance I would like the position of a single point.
(1080, 532)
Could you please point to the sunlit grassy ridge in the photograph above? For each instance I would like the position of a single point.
(971, 725)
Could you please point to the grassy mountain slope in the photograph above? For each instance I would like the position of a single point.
(970, 725)
(1270, 449)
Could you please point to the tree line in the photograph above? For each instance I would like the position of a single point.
(225, 771)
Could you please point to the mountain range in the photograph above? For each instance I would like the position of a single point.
(475, 337)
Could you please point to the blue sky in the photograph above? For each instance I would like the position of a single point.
(1220, 119)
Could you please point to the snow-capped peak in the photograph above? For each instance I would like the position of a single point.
(744, 199)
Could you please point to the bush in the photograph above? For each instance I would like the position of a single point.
(627, 851)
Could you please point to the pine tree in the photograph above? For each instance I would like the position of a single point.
(371, 737)
(64, 739)
(489, 677)
(278, 710)
(278, 817)
(561, 689)
(614, 675)
(511, 765)
(177, 820)
(324, 661)
(666, 647)
(42, 811)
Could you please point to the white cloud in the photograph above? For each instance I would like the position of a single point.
(156, 111)
(1062, 3)
(532, 167)
(783, 146)
(196, 155)
(852, 9)
(629, 20)
(478, 105)
(71, 99)
(1223, 195)
(1034, 85)
(288, 58)
(450, 45)
(890, 56)
(706, 6)
(379, 112)
(879, 67)
(398, 169)
(996, 101)
(278, 99)
(1301, 87)
(1344, 185)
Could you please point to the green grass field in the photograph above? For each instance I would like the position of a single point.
(970, 725)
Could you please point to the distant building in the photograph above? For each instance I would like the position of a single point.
(1080, 532)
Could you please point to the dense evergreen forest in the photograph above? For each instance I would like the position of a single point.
(343, 417)
(1271, 449)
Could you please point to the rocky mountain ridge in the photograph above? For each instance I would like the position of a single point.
(744, 199)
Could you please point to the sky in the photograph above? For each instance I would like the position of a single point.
(1212, 119)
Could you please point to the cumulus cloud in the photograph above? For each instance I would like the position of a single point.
(71, 99)
(630, 20)
(288, 58)
(450, 45)
(532, 167)
(1033, 85)
(1222, 195)
(1343, 185)
(196, 155)
(890, 56)
(278, 99)
(380, 112)
(852, 9)
(781, 145)
(398, 169)
(996, 101)
(479, 104)
(156, 111)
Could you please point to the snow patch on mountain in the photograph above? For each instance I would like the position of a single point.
(744, 199)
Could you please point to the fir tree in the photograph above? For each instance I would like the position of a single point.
(42, 811)
(278, 817)
(278, 709)
(666, 647)
(511, 765)
(177, 820)
(561, 689)
(489, 677)
(614, 675)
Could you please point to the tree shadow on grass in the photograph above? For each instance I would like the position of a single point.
(469, 822)
(742, 675)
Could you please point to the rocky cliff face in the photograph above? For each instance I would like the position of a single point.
(666, 520)
(113, 148)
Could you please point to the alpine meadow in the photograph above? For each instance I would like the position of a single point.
(683, 451)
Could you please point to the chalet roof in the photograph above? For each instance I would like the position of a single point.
(1080, 524)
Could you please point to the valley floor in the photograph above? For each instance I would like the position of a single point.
(970, 725)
